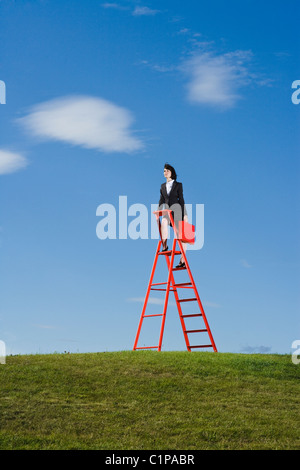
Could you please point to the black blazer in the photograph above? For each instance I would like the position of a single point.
(175, 197)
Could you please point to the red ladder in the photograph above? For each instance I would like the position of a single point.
(172, 286)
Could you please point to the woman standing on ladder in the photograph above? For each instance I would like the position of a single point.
(171, 195)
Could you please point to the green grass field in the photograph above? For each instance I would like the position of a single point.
(149, 400)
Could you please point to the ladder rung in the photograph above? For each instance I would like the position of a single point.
(192, 315)
(186, 300)
(195, 331)
(154, 315)
(148, 347)
(178, 269)
(154, 288)
(183, 284)
(169, 252)
(160, 284)
(203, 346)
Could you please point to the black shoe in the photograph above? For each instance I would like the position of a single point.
(181, 265)
(165, 249)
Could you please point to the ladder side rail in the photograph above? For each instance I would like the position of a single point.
(147, 296)
(198, 298)
(166, 297)
(183, 326)
(194, 285)
(177, 300)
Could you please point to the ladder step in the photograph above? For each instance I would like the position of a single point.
(195, 331)
(186, 300)
(183, 284)
(154, 288)
(178, 269)
(192, 315)
(169, 252)
(160, 284)
(202, 346)
(155, 315)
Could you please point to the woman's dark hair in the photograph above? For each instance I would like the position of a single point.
(172, 170)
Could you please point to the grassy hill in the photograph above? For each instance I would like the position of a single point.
(149, 400)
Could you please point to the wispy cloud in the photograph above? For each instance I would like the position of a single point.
(245, 263)
(144, 11)
(213, 77)
(151, 300)
(137, 11)
(184, 31)
(211, 304)
(46, 327)
(114, 6)
(11, 162)
(87, 121)
(216, 79)
(158, 67)
(161, 301)
(283, 55)
(256, 349)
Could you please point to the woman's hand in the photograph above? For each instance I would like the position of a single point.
(185, 218)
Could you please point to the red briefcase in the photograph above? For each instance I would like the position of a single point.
(186, 232)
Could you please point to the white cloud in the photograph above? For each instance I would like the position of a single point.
(11, 162)
(144, 11)
(86, 121)
(216, 79)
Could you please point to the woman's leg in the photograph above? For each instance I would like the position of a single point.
(164, 231)
(184, 244)
(184, 249)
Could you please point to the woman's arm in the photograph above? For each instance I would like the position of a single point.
(181, 202)
(161, 201)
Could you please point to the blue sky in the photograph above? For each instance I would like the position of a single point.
(99, 95)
